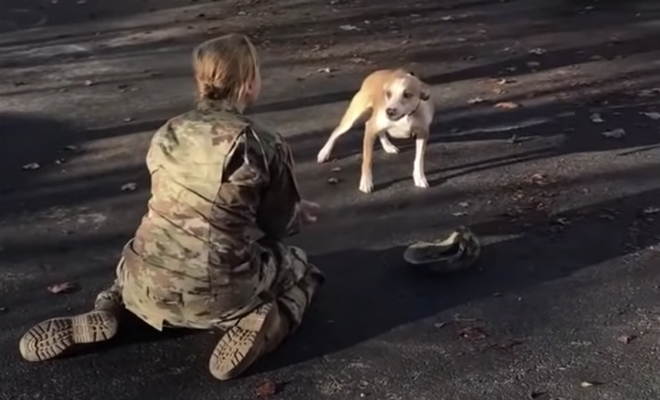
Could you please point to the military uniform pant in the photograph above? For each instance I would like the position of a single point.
(293, 287)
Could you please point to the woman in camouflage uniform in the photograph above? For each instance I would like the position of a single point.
(209, 254)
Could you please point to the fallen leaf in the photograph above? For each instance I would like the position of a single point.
(476, 100)
(3, 309)
(128, 119)
(129, 187)
(649, 92)
(326, 70)
(596, 118)
(31, 166)
(586, 384)
(653, 115)
(459, 214)
(537, 177)
(464, 204)
(266, 389)
(333, 181)
(335, 169)
(627, 338)
(359, 60)
(651, 210)
(65, 287)
(614, 134)
(349, 28)
(538, 51)
(89, 82)
(71, 147)
(507, 105)
(509, 344)
(504, 81)
(440, 325)
(473, 333)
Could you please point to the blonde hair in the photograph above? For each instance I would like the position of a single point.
(225, 67)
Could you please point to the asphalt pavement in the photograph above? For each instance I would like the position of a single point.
(545, 142)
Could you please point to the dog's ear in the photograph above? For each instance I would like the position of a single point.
(424, 92)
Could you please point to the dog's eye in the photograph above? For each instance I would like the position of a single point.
(388, 94)
(407, 95)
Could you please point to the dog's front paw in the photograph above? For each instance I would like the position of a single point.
(323, 155)
(366, 184)
(421, 182)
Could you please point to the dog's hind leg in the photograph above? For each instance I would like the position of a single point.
(357, 109)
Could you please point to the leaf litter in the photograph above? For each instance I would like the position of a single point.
(31, 166)
(473, 333)
(507, 105)
(266, 389)
(62, 288)
(625, 339)
(614, 134)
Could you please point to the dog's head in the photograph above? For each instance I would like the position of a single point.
(403, 94)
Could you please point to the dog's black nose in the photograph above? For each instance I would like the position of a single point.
(390, 112)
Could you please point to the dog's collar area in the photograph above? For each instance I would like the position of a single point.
(415, 109)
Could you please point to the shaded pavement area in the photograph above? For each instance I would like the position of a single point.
(545, 142)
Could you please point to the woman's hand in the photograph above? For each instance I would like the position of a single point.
(307, 210)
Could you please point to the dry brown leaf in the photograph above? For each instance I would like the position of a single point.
(349, 28)
(31, 166)
(129, 187)
(65, 287)
(651, 210)
(627, 338)
(507, 105)
(615, 134)
(473, 333)
(266, 389)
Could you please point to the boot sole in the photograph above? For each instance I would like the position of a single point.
(242, 344)
(53, 337)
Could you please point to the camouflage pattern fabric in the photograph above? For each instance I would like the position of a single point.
(209, 250)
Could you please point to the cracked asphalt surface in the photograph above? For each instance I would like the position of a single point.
(566, 292)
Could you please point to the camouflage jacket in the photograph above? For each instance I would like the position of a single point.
(219, 181)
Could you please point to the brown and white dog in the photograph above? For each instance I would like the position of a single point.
(393, 102)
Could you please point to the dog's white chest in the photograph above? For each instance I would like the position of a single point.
(400, 129)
